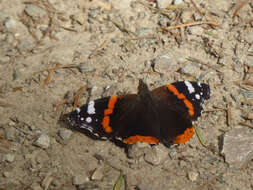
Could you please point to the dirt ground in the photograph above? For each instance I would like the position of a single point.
(53, 51)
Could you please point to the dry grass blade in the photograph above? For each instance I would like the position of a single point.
(192, 59)
(122, 28)
(56, 68)
(98, 49)
(197, 9)
(69, 29)
(200, 137)
(5, 105)
(77, 96)
(49, 77)
(119, 182)
(190, 24)
(59, 104)
(239, 7)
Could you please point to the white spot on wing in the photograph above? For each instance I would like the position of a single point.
(87, 128)
(118, 138)
(88, 120)
(197, 96)
(91, 108)
(199, 84)
(78, 110)
(189, 87)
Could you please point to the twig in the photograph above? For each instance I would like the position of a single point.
(57, 67)
(197, 9)
(215, 110)
(190, 24)
(192, 59)
(77, 96)
(2, 104)
(241, 85)
(59, 104)
(242, 4)
(246, 125)
(68, 29)
(122, 28)
(94, 52)
(49, 77)
(246, 82)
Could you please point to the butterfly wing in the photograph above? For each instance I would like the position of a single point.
(180, 103)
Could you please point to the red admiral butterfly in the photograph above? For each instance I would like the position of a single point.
(164, 114)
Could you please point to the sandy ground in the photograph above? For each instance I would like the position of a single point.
(52, 50)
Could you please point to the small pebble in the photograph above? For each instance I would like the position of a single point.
(9, 157)
(137, 150)
(36, 186)
(163, 4)
(25, 45)
(34, 11)
(196, 30)
(47, 181)
(193, 176)
(250, 115)
(7, 174)
(191, 69)
(86, 68)
(56, 182)
(43, 141)
(88, 186)
(177, 2)
(98, 174)
(65, 134)
(80, 179)
(10, 133)
(10, 24)
(237, 146)
(197, 17)
(157, 155)
(164, 64)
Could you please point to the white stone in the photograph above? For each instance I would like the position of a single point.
(163, 4)
(43, 141)
(193, 176)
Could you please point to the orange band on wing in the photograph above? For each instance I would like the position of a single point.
(106, 120)
(182, 97)
(105, 124)
(138, 138)
(185, 137)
